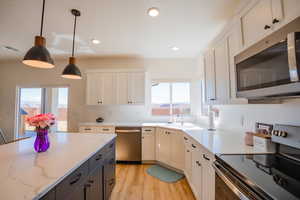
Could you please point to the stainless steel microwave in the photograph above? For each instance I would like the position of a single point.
(271, 67)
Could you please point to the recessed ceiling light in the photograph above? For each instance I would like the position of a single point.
(153, 12)
(95, 41)
(175, 48)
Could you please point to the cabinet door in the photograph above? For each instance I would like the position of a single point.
(254, 22)
(122, 88)
(234, 46)
(148, 144)
(188, 157)
(222, 73)
(291, 9)
(177, 150)
(196, 171)
(136, 90)
(78, 193)
(94, 89)
(208, 186)
(108, 88)
(94, 185)
(277, 11)
(109, 175)
(164, 145)
(210, 77)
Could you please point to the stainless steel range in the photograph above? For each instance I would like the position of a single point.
(264, 176)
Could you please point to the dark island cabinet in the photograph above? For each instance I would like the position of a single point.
(93, 180)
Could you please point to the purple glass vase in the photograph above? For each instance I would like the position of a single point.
(41, 143)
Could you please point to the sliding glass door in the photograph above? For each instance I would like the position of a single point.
(33, 101)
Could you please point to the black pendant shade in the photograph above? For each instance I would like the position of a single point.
(38, 56)
(71, 71)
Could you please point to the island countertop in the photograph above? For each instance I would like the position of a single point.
(25, 174)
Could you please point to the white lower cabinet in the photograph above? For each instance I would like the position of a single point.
(188, 157)
(196, 179)
(148, 144)
(170, 148)
(202, 177)
(97, 129)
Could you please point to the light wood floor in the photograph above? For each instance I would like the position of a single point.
(133, 183)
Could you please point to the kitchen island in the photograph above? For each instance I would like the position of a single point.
(76, 166)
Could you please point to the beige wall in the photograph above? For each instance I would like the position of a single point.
(14, 74)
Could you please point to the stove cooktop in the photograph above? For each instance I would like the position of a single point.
(274, 175)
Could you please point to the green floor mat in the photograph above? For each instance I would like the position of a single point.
(164, 174)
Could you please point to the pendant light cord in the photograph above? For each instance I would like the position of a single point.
(74, 32)
(42, 21)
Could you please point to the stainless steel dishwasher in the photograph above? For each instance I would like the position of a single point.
(129, 144)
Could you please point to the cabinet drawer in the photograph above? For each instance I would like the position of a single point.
(88, 129)
(106, 129)
(69, 184)
(96, 160)
(148, 131)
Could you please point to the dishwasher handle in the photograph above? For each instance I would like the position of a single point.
(128, 131)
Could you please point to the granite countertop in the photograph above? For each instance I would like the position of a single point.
(216, 142)
(25, 174)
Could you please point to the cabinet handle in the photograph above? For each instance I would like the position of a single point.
(198, 163)
(87, 129)
(185, 138)
(87, 185)
(98, 157)
(99, 102)
(143, 137)
(205, 157)
(212, 99)
(105, 129)
(111, 145)
(193, 146)
(78, 176)
(148, 130)
(275, 21)
(267, 27)
(188, 151)
(91, 181)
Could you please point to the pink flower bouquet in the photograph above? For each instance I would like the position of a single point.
(42, 121)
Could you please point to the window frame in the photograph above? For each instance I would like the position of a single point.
(171, 82)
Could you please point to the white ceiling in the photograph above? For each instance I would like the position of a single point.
(122, 26)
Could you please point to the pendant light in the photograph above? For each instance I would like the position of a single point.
(72, 71)
(38, 56)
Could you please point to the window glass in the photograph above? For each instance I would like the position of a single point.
(160, 98)
(167, 96)
(181, 98)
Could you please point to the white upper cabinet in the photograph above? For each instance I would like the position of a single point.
(100, 87)
(222, 73)
(291, 9)
(136, 89)
(257, 22)
(108, 86)
(115, 88)
(122, 88)
(234, 39)
(210, 77)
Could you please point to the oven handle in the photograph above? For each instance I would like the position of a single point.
(236, 190)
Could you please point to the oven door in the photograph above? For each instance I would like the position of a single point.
(229, 187)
